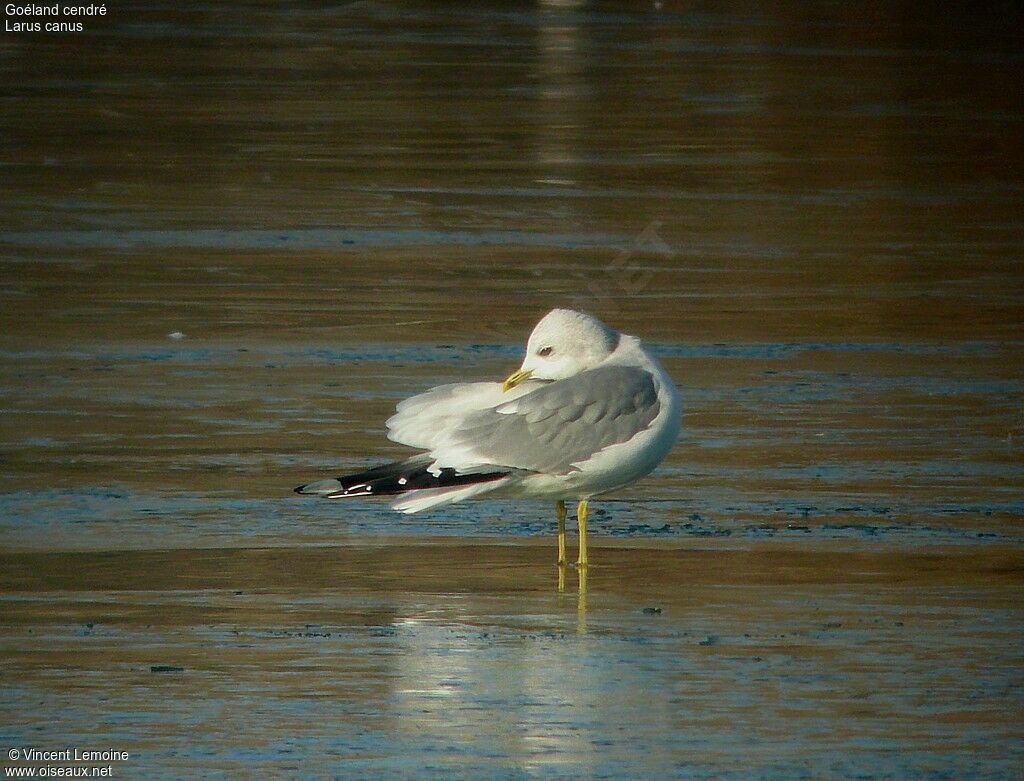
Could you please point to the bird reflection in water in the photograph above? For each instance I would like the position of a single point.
(581, 592)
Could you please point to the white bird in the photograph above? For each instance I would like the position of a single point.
(589, 411)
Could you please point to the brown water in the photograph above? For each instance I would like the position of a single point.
(813, 212)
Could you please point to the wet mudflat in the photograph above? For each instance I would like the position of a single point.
(813, 214)
(409, 660)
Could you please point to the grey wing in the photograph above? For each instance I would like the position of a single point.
(556, 426)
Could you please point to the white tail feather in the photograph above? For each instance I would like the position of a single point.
(425, 498)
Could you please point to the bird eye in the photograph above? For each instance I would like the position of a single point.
(544, 352)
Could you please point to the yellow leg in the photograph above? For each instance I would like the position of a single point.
(560, 512)
(581, 523)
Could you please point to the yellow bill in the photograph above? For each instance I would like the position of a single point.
(515, 378)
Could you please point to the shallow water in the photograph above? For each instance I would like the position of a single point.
(812, 213)
(385, 658)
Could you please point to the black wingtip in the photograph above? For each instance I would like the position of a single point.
(390, 479)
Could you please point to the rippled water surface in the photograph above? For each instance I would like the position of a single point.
(233, 237)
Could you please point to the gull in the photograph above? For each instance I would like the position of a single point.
(589, 411)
